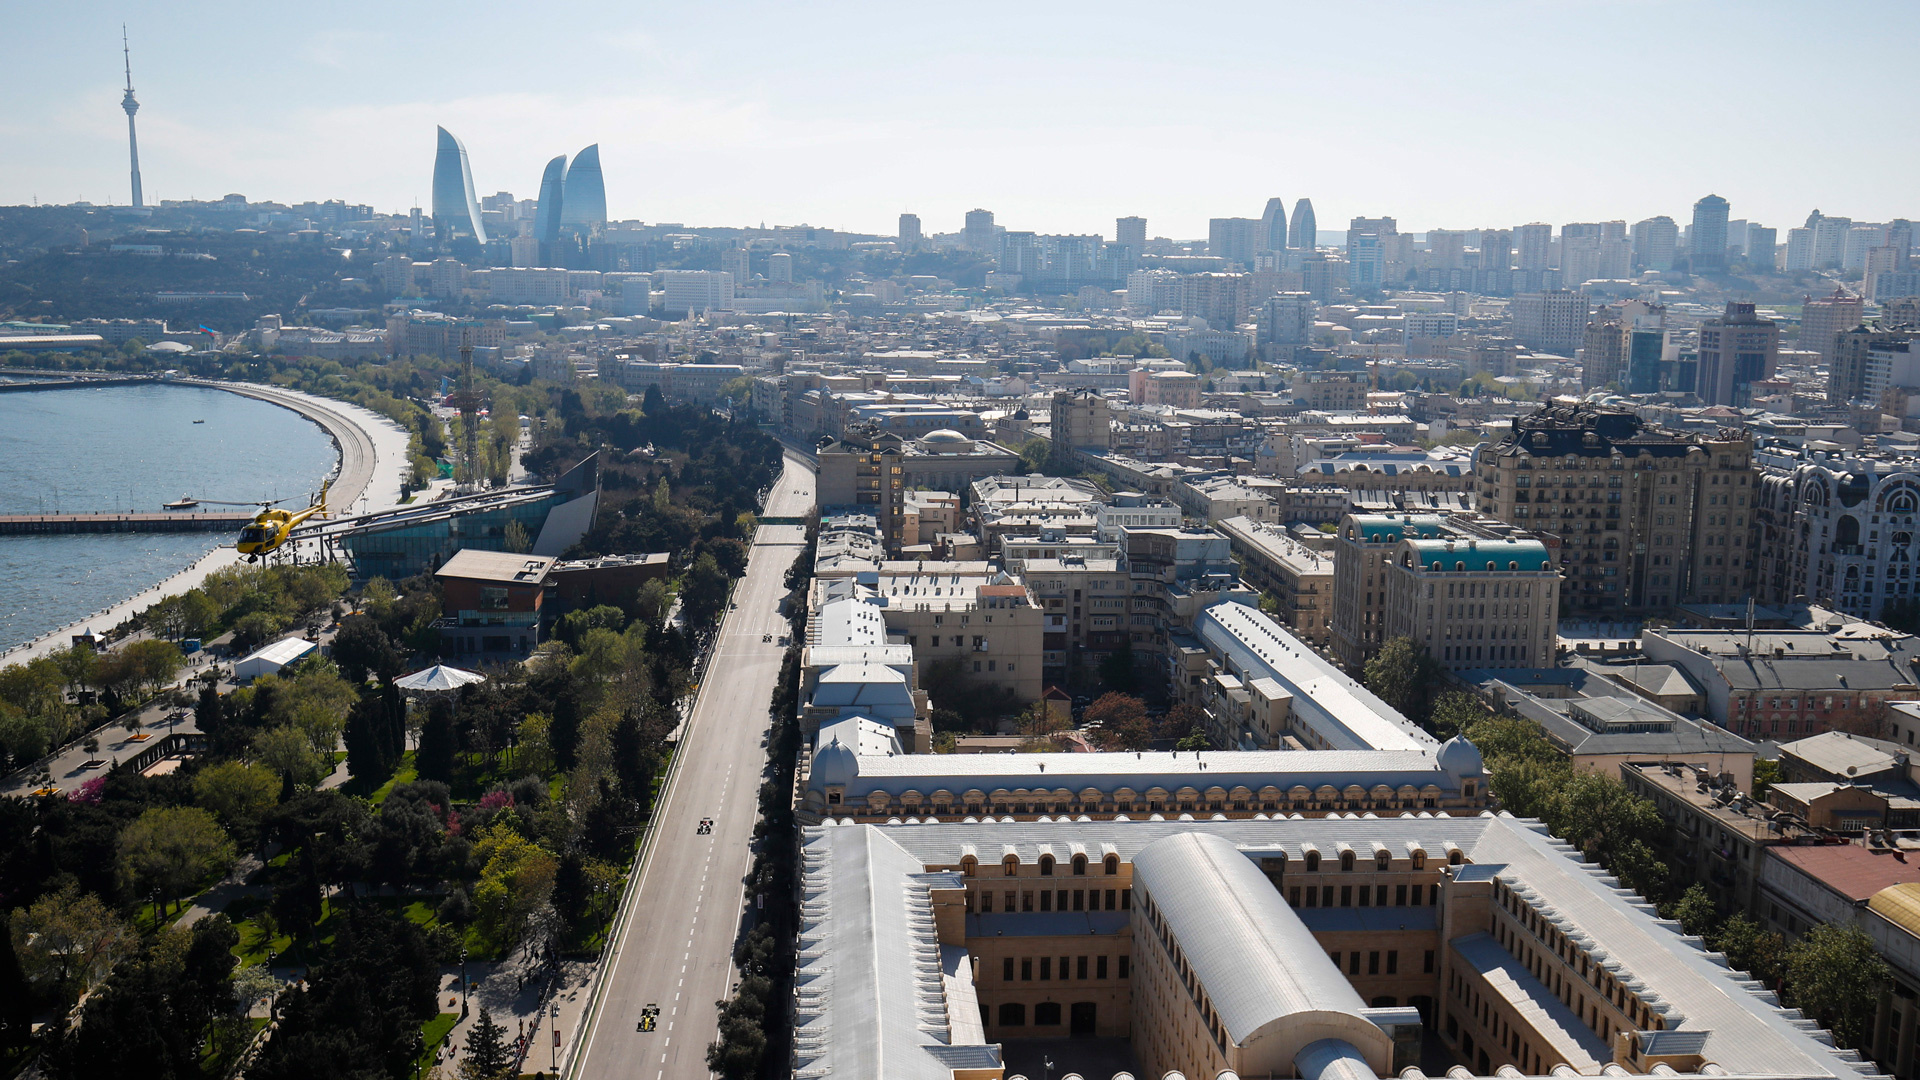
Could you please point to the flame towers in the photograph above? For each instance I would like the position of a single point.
(131, 106)
(584, 201)
(455, 210)
(546, 217)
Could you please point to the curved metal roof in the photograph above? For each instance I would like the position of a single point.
(1257, 961)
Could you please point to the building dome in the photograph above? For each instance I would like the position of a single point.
(946, 441)
(1459, 759)
(836, 766)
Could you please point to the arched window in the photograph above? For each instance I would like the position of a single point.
(1112, 865)
(968, 865)
(1046, 866)
(1454, 858)
(1346, 860)
(1013, 1014)
(1381, 860)
(1419, 859)
(1313, 861)
(1012, 863)
(1079, 866)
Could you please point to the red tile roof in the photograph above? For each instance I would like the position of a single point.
(1852, 871)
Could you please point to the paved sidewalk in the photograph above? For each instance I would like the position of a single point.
(522, 995)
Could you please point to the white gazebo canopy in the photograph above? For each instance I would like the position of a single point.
(438, 677)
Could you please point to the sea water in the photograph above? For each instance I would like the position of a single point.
(130, 449)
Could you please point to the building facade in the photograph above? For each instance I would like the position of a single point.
(1642, 518)
(1476, 603)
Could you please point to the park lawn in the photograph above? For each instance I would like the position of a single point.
(405, 774)
(431, 1033)
(422, 911)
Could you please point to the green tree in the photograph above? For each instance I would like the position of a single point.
(1766, 773)
(1697, 913)
(1034, 454)
(1834, 975)
(169, 850)
(361, 648)
(67, 941)
(517, 878)
(434, 759)
(487, 1056)
(516, 539)
(1749, 947)
(290, 754)
(703, 591)
(1453, 712)
(1401, 674)
(240, 795)
(253, 630)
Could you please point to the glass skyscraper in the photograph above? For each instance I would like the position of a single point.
(546, 218)
(584, 201)
(455, 211)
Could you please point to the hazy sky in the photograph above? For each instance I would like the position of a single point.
(1059, 117)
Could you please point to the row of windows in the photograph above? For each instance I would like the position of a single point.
(1369, 896)
(1170, 947)
(1053, 900)
(1374, 958)
(1071, 968)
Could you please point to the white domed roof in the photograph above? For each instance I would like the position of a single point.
(1460, 759)
(945, 435)
(833, 765)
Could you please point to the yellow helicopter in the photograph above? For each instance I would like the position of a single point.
(270, 527)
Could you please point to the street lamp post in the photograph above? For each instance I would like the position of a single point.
(463, 984)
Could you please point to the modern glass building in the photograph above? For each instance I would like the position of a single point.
(455, 210)
(546, 219)
(1304, 232)
(585, 200)
(418, 539)
(1273, 226)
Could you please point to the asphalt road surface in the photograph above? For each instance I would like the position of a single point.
(675, 950)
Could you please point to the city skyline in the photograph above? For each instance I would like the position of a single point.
(687, 132)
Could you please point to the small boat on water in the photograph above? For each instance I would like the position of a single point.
(184, 502)
(199, 421)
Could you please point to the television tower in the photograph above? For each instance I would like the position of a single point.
(132, 106)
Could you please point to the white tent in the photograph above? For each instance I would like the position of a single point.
(438, 677)
(271, 658)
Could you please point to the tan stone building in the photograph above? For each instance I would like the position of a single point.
(961, 613)
(1643, 519)
(1363, 550)
(1474, 602)
(1299, 579)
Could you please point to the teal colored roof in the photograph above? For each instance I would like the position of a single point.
(1482, 555)
(1389, 528)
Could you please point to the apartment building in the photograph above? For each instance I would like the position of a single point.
(1642, 519)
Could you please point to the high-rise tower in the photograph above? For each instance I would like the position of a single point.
(583, 203)
(548, 211)
(1303, 233)
(132, 106)
(1273, 226)
(455, 211)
